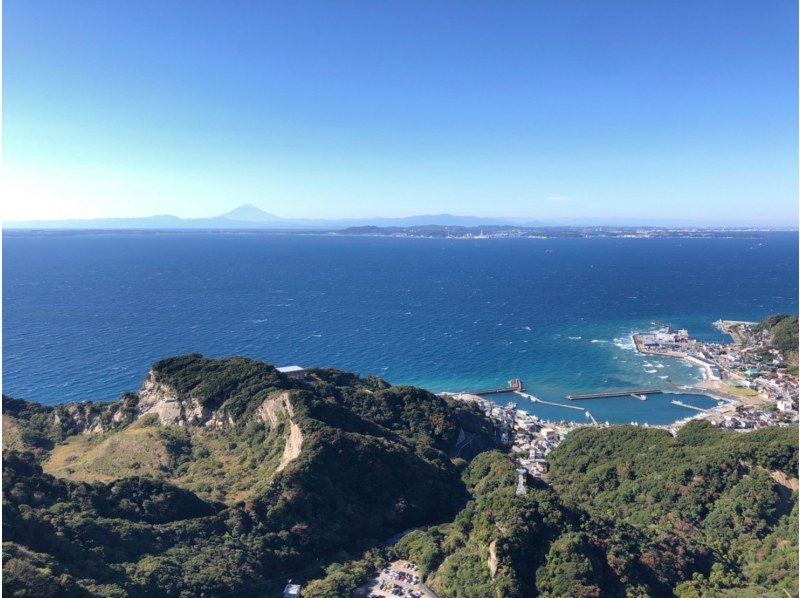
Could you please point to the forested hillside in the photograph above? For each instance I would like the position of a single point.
(631, 512)
(222, 476)
(783, 330)
(225, 477)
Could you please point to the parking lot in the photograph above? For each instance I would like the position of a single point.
(399, 578)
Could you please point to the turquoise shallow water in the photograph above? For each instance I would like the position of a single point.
(655, 410)
(86, 315)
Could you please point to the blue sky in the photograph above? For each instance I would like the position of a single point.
(613, 109)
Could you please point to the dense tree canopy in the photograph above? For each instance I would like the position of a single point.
(102, 500)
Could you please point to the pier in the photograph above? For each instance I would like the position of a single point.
(682, 404)
(538, 400)
(637, 394)
(514, 385)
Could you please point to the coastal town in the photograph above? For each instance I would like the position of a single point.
(752, 375)
(753, 381)
(509, 231)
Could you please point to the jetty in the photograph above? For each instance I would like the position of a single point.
(538, 400)
(514, 385)
(682, 404)
(640, 394)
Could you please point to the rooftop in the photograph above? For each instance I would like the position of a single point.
(286, 369)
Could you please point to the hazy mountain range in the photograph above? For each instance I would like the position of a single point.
(250, 217)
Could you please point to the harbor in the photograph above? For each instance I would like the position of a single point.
(569, 411)
(740, 388)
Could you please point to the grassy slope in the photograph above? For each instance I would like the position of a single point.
(215, 465)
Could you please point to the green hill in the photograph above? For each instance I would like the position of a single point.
(225, 477)
(631, 512)
(783, 330)
(222, 475)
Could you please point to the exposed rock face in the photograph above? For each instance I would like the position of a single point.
(784, 480)
(95, 418)
(79, 419)
(161, 399)
(492, 561)
(270, 412)
(274, 407)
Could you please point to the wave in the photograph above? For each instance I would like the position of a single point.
(625, 342)
(574, 338)
(651, 371)
(594, 340)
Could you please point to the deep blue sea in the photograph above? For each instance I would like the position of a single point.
(86, 314)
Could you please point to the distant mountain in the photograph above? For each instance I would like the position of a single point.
(249, 213)
(248, 216)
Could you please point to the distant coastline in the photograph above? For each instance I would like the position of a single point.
(248, 217)
(427, 232)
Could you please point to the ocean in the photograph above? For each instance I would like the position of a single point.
(86, 314)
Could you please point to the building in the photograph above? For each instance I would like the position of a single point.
(522, 489)
(293, 371)
(292, 590)
(549, 433)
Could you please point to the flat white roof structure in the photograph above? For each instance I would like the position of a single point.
(288, 369)
(293, 371)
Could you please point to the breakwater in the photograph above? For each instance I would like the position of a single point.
(636, 393)
(538, 400)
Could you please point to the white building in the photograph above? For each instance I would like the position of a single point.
(292, 590)
(293, 371)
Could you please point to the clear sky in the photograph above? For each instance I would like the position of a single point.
(327, 109)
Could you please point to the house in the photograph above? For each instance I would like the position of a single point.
(532, 427)
(292, 590)
(293, 371)
(539, 467)
(549, 433)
